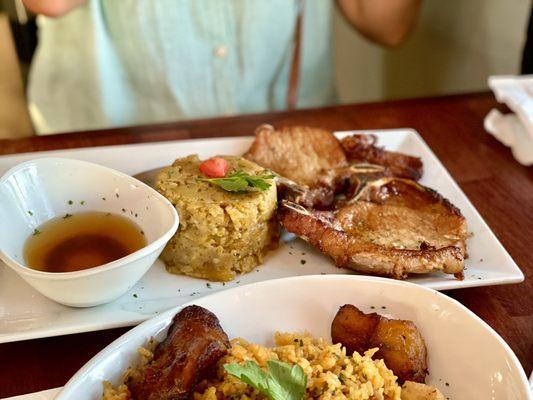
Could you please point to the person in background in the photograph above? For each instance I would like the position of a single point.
(106, 63)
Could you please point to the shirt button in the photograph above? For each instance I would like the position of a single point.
(220, 51)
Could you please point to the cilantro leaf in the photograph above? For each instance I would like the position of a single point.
(259, 182)
(249, 373)
(240, 181)
(282, 382)
(293, 378)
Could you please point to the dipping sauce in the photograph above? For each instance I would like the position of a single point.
(82, 240)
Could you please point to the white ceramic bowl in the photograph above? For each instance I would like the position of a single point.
(467, 358)
(35, 191)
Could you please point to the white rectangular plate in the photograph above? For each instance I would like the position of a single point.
(25, 314)
(49, 394)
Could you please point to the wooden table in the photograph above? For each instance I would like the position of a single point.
(500, 188)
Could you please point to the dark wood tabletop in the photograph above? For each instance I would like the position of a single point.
(499, 187)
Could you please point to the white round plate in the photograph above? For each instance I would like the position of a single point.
(467, 359)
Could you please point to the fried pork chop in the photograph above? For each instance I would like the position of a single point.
(194, 344)
(346, 180)
(400, 344)
(314, 157)
(362, 148)
(382, 224)
(300, 154)
(314, 166)
(392, 227)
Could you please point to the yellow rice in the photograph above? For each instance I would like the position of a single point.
(331, 374)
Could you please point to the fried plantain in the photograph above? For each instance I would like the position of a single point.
(400, 343)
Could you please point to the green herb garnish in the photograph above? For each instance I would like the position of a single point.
(240, 181)
(281, 382)
(30, 213)
(67, 216)
(36, 232)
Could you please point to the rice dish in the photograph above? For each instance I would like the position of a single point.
(331, 373)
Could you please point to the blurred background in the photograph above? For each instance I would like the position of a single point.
(456, 45)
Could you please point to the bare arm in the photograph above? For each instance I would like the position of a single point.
(387, 22)
(52, 8)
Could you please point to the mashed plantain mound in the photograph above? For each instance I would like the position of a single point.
(221, 233)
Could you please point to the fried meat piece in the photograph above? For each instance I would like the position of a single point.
(314, 160)
(299, 154)
(405, 215)
(321, 197)
(346, 180)
(392, 227)
(194, 344)
(362, 148)
(400, 343)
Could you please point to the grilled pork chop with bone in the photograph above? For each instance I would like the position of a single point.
(362, 148)
(314, 166)
(314, 157)
(393, 227)
(384, 224)
(300, 154)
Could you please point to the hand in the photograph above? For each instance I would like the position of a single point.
(52, 8)
(387, 22)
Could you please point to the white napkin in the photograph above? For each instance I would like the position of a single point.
(514, 130)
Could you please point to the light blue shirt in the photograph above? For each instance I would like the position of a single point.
(128, 62)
